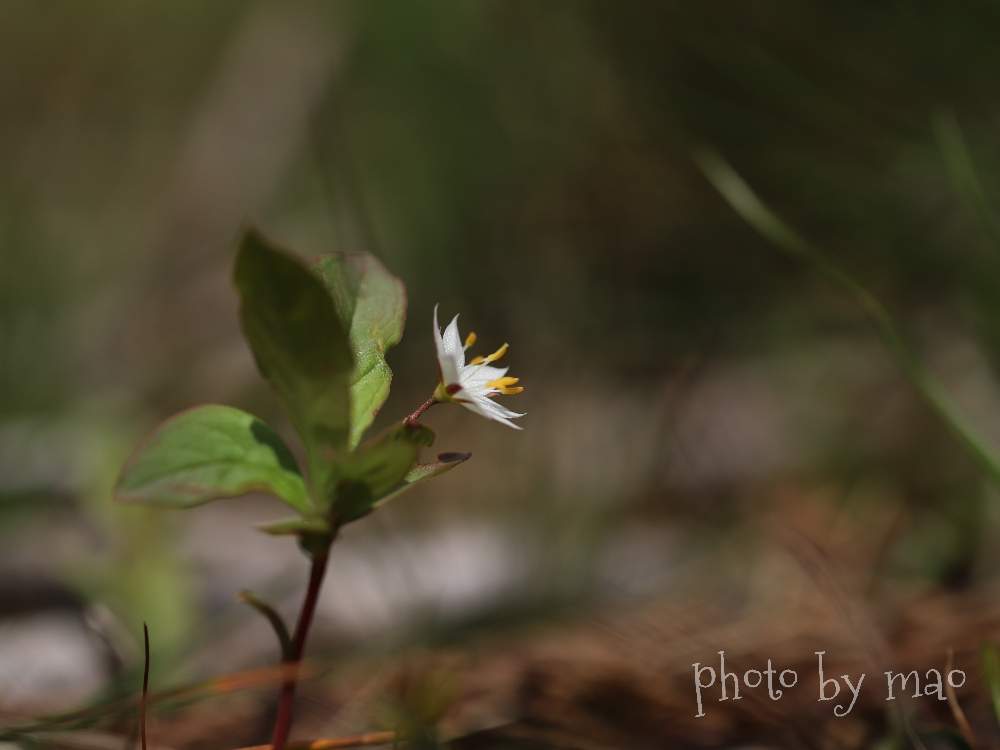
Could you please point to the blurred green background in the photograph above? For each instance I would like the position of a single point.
(528, 165)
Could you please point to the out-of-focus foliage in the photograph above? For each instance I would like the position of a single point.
(530, 165)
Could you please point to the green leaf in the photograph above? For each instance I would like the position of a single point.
(300, 346)
(376, 469)
(208, 453)
(371, 303)
(445, 463)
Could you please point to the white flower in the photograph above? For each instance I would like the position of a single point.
(473, 385)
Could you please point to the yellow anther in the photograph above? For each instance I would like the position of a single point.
(470, 339)
(496, 355)
(501, 383)
(506, 386)
(491, 357)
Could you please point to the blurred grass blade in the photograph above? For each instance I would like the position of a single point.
(957, 713)
(964, 175)
(272, 616)
(145, 686)
(368, 739)
(745, 202)
(991, 673)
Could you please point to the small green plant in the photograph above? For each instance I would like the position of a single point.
(319, 336)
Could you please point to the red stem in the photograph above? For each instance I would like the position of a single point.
(411, 420)
(286, 699)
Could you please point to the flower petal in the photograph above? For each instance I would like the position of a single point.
(475, 392)
(486, 408)
(477, 376)
(446, 361)
(453, 342)
(503, 411)
(490, 409)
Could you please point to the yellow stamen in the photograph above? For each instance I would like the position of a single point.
(506, 386)
(491, 358)
(470, 339)
(502, 382)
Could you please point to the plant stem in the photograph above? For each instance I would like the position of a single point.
(286, 699)
(411, 420)
(145, 686)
